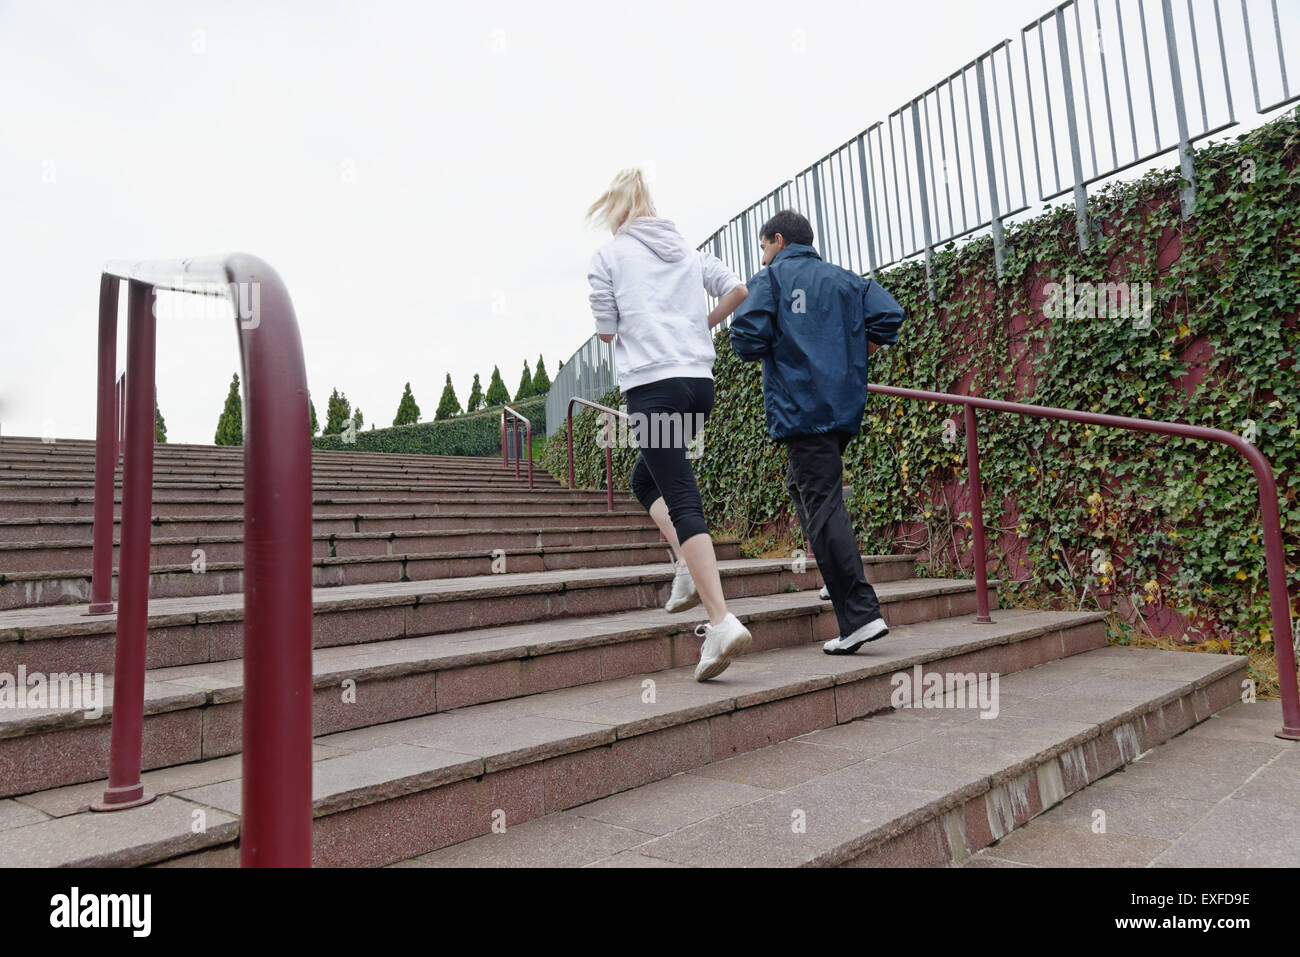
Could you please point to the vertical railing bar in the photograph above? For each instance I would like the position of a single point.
(1002, 140)
(1047, 95)
(749, 260)
(832, 213)
(817, 205)
(893, 162)
(929, 152)
(1250, 55)
(995, 218)
(1151, 82)
(907, 183)
(1223, 59)
(126, 734)
(108, 411)
(867, 204)
(1087, 96)
(970, 144)
(884, 191)
(956, 151)
(1196, 58)
(1180, 111)
(1105, 83)
(1076, 158)
(1128, 88)
(845, 188)
(1015, 121)
(943, 150)
(1281, 54)
(1033, 124)
(925, 201)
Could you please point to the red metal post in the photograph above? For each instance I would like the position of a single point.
(121, 416)
(106, 445)
(505, 460)
(977, 520)
(127, 737)
(276, 814)
(528, 426)
(609, 460)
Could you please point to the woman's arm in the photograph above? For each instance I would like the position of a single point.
(727, 304)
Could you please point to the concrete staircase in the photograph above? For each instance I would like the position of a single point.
(547, 713)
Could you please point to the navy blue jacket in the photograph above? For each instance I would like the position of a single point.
(810, 322)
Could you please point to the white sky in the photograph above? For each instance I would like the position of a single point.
(403, 166)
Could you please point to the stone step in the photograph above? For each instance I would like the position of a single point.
(233, 491)
(12, 468)
(194, 712)
(911, 787)
(324, 522)
(393, 791)
(37, 555)
(513, 503)
(183, 631)
(44, 588)
(85, 449)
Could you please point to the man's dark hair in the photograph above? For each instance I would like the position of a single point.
(793, 226)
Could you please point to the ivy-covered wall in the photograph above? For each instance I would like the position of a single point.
(1165, 530)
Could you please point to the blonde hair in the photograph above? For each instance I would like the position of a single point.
(627, 198)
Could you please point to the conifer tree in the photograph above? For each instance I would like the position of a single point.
(337, 413)
(497, 393)
(448, 405)
(541, 381)
(408, 412)
(475, 400)
(525, 384)
(230, 426)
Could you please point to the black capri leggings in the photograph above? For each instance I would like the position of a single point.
(664, 418)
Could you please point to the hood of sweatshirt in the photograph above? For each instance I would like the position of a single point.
(661, 236)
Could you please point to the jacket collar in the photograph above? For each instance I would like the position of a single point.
(795, 249)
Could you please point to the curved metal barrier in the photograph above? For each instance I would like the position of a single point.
(276, 815)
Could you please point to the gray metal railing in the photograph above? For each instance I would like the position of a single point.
(1097, 87)
(588, 373)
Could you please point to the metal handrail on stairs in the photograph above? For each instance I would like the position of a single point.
(1279, 599)
(276, 808)
(528, 425)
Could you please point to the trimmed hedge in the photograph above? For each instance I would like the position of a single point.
(478, 433)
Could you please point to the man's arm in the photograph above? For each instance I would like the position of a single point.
(603, 305)
(883, 316)
(753, 330)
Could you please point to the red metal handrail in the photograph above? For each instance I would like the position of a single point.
(1279, 598)
(276, 814)
(528, 425)
(609, 446)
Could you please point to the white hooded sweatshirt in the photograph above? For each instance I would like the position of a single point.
(647, 286)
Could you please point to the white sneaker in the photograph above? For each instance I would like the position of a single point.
(846, 646)
(684, 594)
(824, 594)
(722, 642)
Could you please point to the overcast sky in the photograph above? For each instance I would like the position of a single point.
(417, 173)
